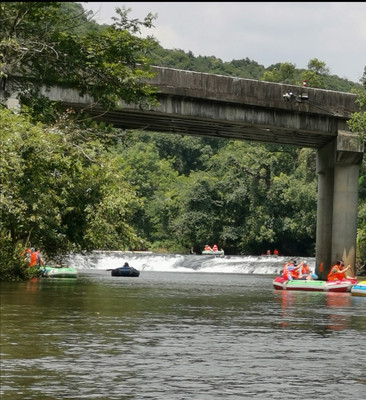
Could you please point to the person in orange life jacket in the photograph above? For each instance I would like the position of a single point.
(290, 271)
(207, 248)
(305, 273)
(31, 256)
(214, 248)
(338, 271)
(304, 270)
(34, 257)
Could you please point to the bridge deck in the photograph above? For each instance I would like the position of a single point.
(193, 103)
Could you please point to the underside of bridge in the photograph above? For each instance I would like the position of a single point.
(156, 121)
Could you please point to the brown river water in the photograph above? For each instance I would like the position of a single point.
(179, 334)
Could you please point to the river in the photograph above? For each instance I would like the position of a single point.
(189, 327)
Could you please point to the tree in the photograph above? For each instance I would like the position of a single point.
(61, 189)
(283, 73)
(60, 183)
(43, 43)
(318, 67)
(357, 122)
(314, 75)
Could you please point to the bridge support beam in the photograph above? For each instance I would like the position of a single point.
(338, 167)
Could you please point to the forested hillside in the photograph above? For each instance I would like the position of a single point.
(316, 75)
(70, 184)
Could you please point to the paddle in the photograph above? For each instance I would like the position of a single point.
(111, 269)
(351, 270)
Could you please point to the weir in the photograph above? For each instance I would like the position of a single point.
(145, 261)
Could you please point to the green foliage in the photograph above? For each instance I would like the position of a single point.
(284, 73)
(187, 153)
(108, 64)
(152, 177)
(176, 58)
(318, 67)
(357, 122)
(317, 75)
(313, 79)
(361, 232)
(13, 264)
(55, 192)
(62, 188)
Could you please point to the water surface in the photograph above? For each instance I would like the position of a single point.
(179, 335)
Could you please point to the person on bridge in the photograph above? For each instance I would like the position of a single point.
(338, 271)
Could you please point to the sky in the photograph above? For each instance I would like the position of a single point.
(265, 32)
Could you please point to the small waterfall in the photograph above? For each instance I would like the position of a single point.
(148, 261)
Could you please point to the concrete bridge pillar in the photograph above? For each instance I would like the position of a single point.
(338, 167)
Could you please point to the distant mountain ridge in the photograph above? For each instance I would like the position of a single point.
(244, 68)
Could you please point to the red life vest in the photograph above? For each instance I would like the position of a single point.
(33, 258)
(290, 268)
(335, 274)
(304, 269)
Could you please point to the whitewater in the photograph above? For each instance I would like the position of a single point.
(149, 261)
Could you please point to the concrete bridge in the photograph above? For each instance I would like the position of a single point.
(200, 104)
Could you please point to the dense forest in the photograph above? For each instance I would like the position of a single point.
(70, 184)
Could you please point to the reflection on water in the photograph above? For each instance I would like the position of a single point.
(336, 311)
(179, 336)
